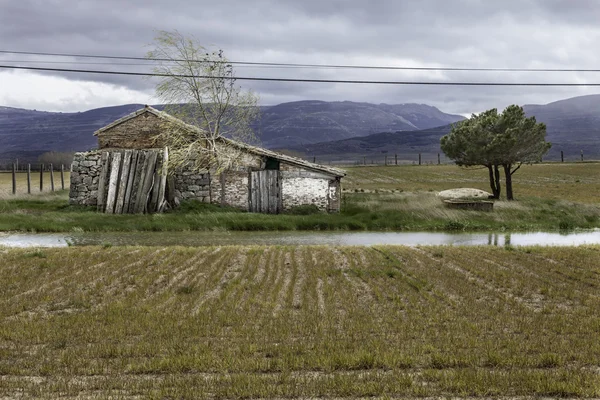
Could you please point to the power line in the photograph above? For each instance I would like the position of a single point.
(115, 63)
(249, 78)
(299, 65)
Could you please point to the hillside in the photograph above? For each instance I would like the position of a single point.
(27, 133)
(572, 125)
(328, 130)
(305, 122)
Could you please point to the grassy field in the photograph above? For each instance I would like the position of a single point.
(550, 197)
(280, 322)
(573, 182)
(21, 178)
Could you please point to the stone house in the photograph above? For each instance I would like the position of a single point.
(260, 181)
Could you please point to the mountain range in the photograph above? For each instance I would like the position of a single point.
(573, 125)
(328, 130)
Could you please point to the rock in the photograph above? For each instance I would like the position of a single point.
(464, 193)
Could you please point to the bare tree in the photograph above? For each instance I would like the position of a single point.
(198, 86)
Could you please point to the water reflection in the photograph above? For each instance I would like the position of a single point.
(300, 238)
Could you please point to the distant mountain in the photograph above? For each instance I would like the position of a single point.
(311, 121)
(28, 133)
(572, 125)
(329, 130)
(406, 144)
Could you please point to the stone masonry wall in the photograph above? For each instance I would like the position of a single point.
(300, 186)
(85, 173)
(236, 193)
(192, 185)
(296, 191)
(136, 133)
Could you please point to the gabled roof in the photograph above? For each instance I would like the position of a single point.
(251, 149)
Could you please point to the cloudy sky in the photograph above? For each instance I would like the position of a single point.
(430, 33)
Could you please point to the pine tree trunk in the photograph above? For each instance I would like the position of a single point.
(497, 179)
(508, 177)
(494, 183)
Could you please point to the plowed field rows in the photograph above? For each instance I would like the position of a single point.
(267, 322)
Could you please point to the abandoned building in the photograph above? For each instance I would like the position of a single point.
(125, 174)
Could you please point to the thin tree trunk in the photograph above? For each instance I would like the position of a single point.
(497, 179)
(493, 183)
(508, 175)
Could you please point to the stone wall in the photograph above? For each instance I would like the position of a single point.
(234, 192)
(192, 185)
(136, 133)
(299, 186)
(85, 173)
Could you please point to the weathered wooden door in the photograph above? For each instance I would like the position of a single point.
(265, 191)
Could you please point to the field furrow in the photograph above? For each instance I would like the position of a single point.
(291, 322)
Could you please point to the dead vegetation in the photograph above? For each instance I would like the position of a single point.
(265, 322)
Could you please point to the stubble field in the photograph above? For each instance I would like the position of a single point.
(281, 322)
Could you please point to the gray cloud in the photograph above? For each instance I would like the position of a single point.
(479, 33)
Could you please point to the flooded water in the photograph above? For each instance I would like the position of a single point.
(298, 238)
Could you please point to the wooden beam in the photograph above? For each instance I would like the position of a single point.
(148, 181)
(130, 181)
(163, 180)
(111, 197)
(28, 178)
(123, 178)
(136, 195)
(52, 177)
(102, 180)
(14, 179)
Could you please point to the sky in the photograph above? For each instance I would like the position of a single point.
(402, 33)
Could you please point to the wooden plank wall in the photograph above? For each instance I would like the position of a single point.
(265, 193)
(132, 181)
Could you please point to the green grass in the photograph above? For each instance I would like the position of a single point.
(375, 198)
(572, 182)
(289, 322)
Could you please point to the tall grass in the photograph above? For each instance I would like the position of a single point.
(376, 198)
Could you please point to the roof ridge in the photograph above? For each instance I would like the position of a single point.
(254, 149)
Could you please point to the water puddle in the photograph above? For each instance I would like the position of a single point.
(298, 238)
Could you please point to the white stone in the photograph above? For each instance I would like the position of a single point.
(464, 193)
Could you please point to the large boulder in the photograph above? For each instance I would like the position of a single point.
(464, 193)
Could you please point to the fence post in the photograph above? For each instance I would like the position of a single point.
(581, 155)
(41, 177)
(62, 176)
(562, 156)
(14, 179)
(28, 178)
(385, 160)
(419, 158)
(439, 159)
(396, 159)
(314, 160)
(364, 160)
(52, 177)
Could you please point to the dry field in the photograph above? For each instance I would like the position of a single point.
(576, 182)
(6, 184)
(281, 322)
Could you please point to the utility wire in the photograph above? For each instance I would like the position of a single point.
(299, 65)
(123, 63)
(248, 78)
